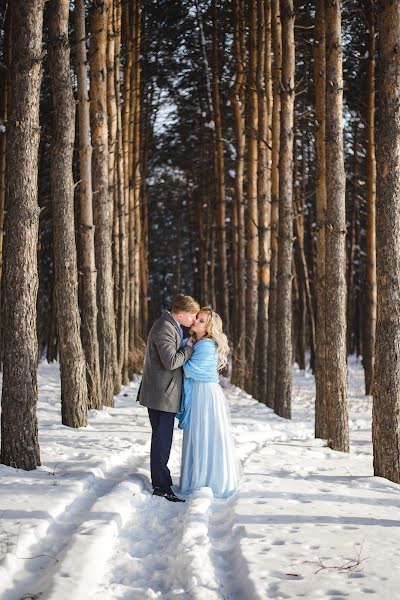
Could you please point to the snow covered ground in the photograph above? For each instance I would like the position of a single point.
(307, 522)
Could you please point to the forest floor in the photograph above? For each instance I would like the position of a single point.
(307, 522)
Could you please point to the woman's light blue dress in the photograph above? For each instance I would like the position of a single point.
(208, 453)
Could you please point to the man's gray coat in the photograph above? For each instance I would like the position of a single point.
(162, 374)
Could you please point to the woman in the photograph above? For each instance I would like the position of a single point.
(208, 454)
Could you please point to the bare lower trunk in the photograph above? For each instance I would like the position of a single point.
(102, 209)
(370, 282)
(283, 381)
(238, 100)
(276, 111)
(72, 360)
(19, 430)
(386, 407)
(87, 267)
(219, 168)
(264, 198)
(321, 430)
(252, 209)
(335, 367)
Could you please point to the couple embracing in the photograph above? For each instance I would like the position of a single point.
(180, 378)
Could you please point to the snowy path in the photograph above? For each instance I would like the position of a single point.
(307, 522)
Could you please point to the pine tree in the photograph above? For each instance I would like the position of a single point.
(335, 232)
(386, 406)
(252, 208)
(283, 381)
(19, 430)
(88, 301)
(370, 283)
(101, 202)
(72, 361)
(276, 126)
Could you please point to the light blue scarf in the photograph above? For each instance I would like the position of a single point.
(202, 366)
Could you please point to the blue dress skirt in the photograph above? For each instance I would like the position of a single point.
(208, 453)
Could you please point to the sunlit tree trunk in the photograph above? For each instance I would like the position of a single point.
(101, 202)
(276, 111)
(19, 430)
(72, 361)
(252, 208)
(283, 381)
(386, 406)
(335, 248)
(238, 104)
(139, 274)
(264, 196)
(321, 430)
(87, 263)
(219, 168)
(370, 282)
(4, 108)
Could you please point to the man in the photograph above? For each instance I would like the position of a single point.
(160, 390)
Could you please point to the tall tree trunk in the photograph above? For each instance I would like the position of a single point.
(114, 28)
(114, 163)
(276, 111)
(252, 208)
(137, 176)
(301, 233)
(321, 430)
(238, 102)
(144, 205)
(4, 99)
(72, 361)
(19, 430)
(370, 282)
(283, 383)
(264, 198)
(211, 251)
(131, 211)
(102, 209)
(121, 273)
(126, 247)
(353, 254)
(87, 267)
(386, 406)
(219, 168)
(300, 271)
(335, 366)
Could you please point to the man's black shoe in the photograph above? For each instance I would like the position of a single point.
(167, 494)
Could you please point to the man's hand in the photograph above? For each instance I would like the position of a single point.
(190, 342)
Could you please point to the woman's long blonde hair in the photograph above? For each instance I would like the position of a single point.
(214, 332)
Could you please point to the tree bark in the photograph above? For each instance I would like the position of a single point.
(102, 209)
(137, 174)
(219, 168)
(386, 406)
(252, 209)
(87, 267)
(238, 102)
(370, 282)
(126, 246)
(335, 367)
(283, 382)
(4, 100)
(19, 430)
(276, 111)
(120, 238)
(72, 361)
(264, 198)
(321, 430)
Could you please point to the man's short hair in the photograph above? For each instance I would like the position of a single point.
(182, 303)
